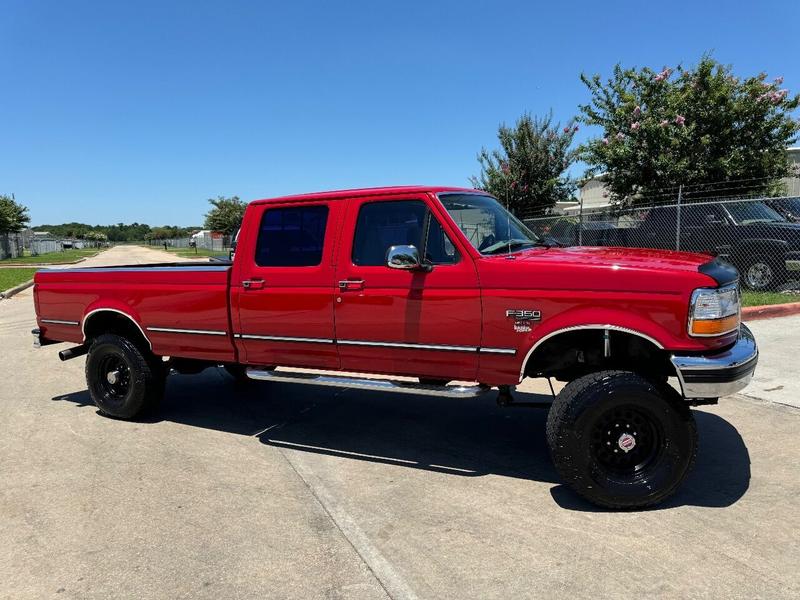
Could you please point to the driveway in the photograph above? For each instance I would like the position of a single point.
(281, 491)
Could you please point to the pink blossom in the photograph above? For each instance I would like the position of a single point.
(635, 125)
(680, 120)
(513, 185)
(566, 129)
(664, 123)
(574, 129)
(637, 111)
(620, 136)
(664, 74)
(525, 188)
(504, 167)
(605, 141)
(779, 80)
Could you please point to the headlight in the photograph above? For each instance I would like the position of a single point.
(714, 311)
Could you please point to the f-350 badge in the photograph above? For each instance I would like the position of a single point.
(523, 318)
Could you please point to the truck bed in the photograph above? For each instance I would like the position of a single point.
(182, 309)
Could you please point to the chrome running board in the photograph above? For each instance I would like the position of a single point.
(375, 385)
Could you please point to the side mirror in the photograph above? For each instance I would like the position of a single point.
(405, 258)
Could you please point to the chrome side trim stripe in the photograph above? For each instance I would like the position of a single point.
(189, 331)
(60, 322)
(403, 345)
(511, 351)
(279, 338)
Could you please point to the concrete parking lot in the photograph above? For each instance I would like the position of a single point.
(280, 491)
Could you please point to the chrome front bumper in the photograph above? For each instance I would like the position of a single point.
(717, 375)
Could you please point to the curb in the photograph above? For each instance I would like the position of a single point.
(45, 264)
(16, 290)
(770, 311)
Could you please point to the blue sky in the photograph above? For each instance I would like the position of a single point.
(140, 111)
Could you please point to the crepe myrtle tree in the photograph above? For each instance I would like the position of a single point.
(703, 128)
(13, 215)
(528, 171)
(226, 214)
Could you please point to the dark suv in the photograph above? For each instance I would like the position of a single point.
(759, 241)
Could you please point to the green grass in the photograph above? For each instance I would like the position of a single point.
(190, 252)
(10, 278)
(750, 298)
(51, 258)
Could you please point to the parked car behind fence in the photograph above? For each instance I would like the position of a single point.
(761, 237)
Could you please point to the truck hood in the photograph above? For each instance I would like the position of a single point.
(619, 258)
(606, 268)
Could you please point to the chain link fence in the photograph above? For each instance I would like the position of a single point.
(11, 245)
(760, 236)
(215, 243)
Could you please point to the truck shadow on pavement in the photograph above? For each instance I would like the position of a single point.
(465, 438)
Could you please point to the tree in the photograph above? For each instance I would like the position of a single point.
(13, 216)
(701, 128)
(528, 171)
(226, 214)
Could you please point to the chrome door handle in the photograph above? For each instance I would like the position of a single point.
(253, 284)
(351, 284)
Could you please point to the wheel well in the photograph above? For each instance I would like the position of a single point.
(573, 354)
(109, 321)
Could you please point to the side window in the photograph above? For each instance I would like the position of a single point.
(291, 236)
(384, 224)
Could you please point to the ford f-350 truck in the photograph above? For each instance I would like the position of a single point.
(443, 285)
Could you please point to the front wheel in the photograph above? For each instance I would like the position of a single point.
(762, 272)
(123, 381)
(620, 440)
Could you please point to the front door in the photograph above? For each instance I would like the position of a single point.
(282, 287)
(422, 323)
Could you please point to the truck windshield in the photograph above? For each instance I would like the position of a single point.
(745, 213)
(488, 226)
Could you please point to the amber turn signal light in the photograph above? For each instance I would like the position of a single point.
(715, 326)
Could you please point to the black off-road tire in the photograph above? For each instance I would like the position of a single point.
(599, 413)
(141, 377)
(763, 272)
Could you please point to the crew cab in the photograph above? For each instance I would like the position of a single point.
(442, 285)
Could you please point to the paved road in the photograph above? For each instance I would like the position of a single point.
(775, 377)
(285, 492)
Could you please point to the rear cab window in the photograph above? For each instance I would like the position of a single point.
(291, 236)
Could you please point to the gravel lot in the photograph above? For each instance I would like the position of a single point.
(284, 491)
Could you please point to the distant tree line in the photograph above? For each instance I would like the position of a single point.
(121, 232)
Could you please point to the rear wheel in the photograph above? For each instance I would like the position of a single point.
(620, 440)
(123, 381)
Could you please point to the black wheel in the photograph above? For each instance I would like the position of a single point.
(123, 381)
(620, 440)
(763, 272)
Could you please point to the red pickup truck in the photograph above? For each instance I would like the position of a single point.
(442, 285)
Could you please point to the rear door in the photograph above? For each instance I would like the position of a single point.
(282, 287)
(405, 322)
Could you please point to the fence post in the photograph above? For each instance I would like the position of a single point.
(580, 223)
(678, 216)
